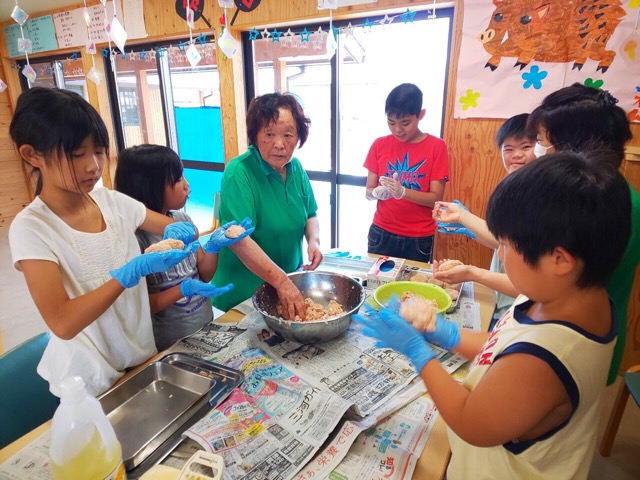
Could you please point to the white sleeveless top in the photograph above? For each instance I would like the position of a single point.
(122, 336)
(581, 361)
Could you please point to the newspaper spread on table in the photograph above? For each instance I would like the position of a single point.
(341, 409)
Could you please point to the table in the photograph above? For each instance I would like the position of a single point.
(433, 462)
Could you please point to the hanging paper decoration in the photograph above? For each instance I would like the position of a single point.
(94, 74)
(228, 44)
(193, 55)
(630, 47)
(19, 15)
(116, 32)
(30, 73)
(24, 44)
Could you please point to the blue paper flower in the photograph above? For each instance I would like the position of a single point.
(533, 78)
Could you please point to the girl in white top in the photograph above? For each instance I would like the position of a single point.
(76, 245)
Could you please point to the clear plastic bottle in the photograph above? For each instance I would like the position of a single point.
(83, 443)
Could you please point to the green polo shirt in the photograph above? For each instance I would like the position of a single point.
(279, 212)
(621, 283)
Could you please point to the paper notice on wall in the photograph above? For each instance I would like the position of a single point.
(71, 28)
(133, 13)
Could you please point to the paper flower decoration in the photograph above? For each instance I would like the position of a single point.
(228, 44)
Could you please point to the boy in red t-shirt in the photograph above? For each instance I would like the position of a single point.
(408, 171)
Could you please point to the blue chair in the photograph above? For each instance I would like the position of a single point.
(630, 385)
(25, 402)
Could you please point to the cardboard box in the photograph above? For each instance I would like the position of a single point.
(385, 270)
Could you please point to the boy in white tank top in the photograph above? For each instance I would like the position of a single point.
(529, 406)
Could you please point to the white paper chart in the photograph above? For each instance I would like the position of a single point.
(71, 29)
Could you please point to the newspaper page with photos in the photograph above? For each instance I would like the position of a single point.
(386, 450)
(272, 424)
(350, 366)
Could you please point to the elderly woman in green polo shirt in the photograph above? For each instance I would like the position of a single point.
(268, 185)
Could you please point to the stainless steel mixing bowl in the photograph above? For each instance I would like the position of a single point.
(321, 287)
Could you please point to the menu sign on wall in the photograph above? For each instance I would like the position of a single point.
(39, 30)
(71, 28)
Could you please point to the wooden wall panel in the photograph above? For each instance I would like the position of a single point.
(13, 189)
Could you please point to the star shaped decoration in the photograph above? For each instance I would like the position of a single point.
(202, 39)
(386, 20)
(408, 16)
(288, 38)
(336, 32)
(265, 33)
(275, 35)
(181, 46)
(123, 55)
(143, 54)
(348, 30)
(253, 34)
(367, 25)
(105, 52)
(304, 35)
(74, 56)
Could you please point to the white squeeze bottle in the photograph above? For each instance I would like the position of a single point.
(83, 443)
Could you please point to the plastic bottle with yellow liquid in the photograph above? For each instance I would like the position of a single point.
(83, 443)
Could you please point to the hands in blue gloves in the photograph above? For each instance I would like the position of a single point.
(190, 287)
(455, 228)
(131, 272)
(184, 231)
(219, 240)
(392, 331)
(446, 334)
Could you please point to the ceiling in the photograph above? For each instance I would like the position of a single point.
(33, 6)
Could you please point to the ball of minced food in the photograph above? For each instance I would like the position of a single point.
(234, 231)
(452, 293)
(448, 265)
(418, 277)
(164, 245)
(420, 312)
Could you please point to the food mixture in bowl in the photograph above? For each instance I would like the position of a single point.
(315, 311)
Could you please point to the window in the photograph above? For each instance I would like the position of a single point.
(162, 99)
(344, 96)
(57, 72)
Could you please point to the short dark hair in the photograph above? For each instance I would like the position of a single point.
(582, 118)
(405, 99)
(514, 127)
(56, 120)
(264, 109)
(579, 202)
(144, 171)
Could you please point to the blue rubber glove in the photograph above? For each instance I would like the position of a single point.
(455, 228)
(131, 272)
(392, 331)
(446, 334)
(190, 287)
(184, 231)
(219, 240)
